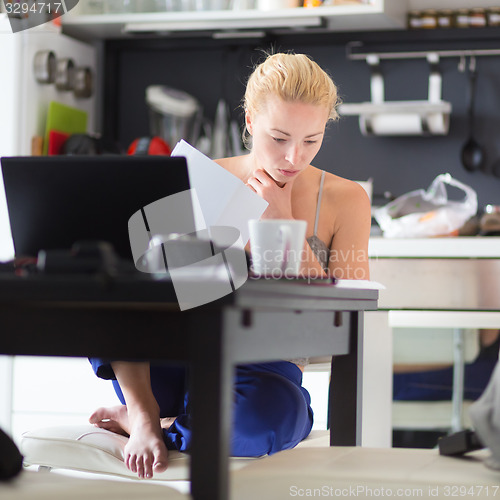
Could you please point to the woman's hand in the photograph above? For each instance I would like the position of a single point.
(279, 198)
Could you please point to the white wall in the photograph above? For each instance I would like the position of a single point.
(55, 391)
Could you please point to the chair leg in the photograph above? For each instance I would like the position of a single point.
(457, 395)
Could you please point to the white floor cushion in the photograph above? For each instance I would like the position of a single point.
(90, 449)
(31, 485)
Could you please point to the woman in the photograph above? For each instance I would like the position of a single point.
(288, 102)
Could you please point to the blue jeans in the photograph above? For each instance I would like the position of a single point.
(436, 385)
(271, 410)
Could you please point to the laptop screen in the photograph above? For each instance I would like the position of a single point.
(54, 201)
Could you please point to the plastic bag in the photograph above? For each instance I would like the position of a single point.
(422, 213)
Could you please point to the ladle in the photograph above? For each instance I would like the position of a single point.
(472, 155)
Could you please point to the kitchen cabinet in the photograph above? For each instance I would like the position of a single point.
(379, 14)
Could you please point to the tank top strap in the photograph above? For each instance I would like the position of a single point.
(320, 193)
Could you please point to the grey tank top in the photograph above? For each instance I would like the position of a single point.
(319, 247)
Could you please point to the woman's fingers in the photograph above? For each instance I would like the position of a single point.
(260, 181)
(263, 177)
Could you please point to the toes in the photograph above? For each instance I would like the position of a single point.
(111, 425)
(148, 467)
(131, 463)
(160, 465)
(97, 416)
(140, 467)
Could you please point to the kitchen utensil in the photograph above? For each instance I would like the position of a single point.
(56, 141)
(221, 129)
(83, 83)
(37, 145)
(174, 114)
(490, 221)
(472, 155)
(44, 66)
(65, 119)
(65, 74)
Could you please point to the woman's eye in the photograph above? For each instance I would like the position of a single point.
(277, 139)
(311, 142)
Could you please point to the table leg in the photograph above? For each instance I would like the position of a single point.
(211, 386)
(346, 388)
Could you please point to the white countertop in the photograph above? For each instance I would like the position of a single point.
(451, 247)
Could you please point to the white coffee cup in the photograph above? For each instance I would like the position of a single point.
(277, 246)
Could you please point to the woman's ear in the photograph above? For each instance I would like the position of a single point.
(248, 122)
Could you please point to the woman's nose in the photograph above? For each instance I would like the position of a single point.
(293, 154)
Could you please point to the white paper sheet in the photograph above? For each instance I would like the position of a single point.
(223, 198)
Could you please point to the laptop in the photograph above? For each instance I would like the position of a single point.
(55, 201)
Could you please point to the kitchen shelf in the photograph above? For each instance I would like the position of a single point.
(382, 14)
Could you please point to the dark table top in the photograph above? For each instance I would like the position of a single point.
(142, 288)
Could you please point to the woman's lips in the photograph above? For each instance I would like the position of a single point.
(288, 173)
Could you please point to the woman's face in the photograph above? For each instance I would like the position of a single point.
(286, 136)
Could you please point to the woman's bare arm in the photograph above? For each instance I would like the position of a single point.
(351, 232)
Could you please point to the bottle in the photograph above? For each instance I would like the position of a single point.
(477, 18)
(428, 19)
(493, 16)
(462, 18)
(414, 20)
(445, 18)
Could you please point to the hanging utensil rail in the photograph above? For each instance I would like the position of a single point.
(418, 54)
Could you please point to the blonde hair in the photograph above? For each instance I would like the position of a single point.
(292, 77)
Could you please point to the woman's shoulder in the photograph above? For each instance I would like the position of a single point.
(341, 190)
(348, 201)
(232, 164)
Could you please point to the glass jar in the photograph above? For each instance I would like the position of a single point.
(428, 19)
(477, 18)
(312, 3)
(493, 16)
(119, 6)
(414, 20)
(92, 7)
(445, 18)
(462, 18)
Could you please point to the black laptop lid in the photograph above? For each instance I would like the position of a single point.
(54, 201)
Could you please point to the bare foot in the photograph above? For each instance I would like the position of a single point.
(114, 419)
(145, 451)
